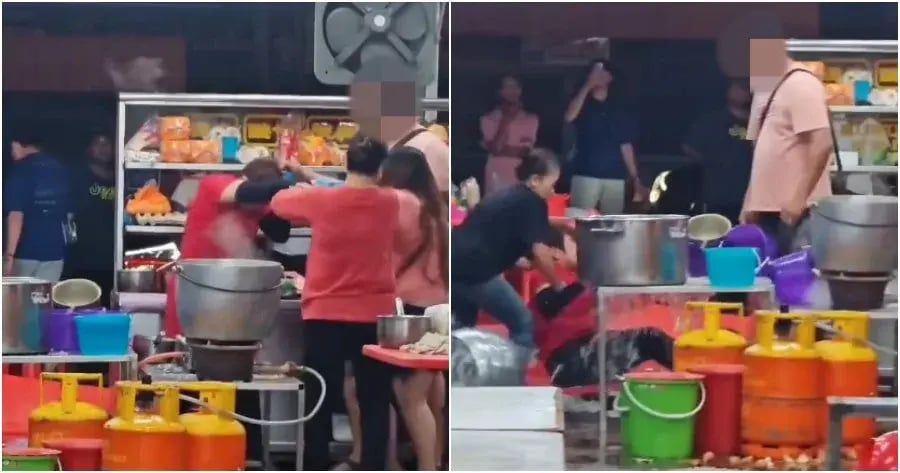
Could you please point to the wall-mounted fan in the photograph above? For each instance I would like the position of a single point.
(348, 34)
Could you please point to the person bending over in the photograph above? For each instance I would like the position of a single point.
(506, 226)
(350, 280)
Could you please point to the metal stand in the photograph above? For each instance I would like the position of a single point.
(840, 407)
(694, 286)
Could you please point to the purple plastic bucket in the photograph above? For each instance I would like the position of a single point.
(696, 260)
(752, 236)
(59, 330)
(793, 278)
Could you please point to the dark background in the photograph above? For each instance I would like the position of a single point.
(229, 48)
(668, 82)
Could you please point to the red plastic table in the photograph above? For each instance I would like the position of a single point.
(407, 360)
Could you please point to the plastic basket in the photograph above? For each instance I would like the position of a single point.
(103, 334)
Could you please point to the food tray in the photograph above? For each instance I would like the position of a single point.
(213, 119)
(886, 73)
(258, 125)
(333, 121)
(404, 359)
(834, 69)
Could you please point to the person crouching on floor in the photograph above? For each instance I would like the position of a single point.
(507, 225)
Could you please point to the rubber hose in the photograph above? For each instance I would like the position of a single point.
(250, 420)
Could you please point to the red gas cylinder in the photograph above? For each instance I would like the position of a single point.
(718, 427)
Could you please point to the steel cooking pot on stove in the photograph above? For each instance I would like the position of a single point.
(855, 233)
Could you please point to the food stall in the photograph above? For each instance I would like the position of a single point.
(169, 138)
(842, 317)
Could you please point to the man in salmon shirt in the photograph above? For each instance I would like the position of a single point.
(789, 121)
(350, 280)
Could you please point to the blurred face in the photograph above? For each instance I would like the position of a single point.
(544, 185)
(384, 110)
(768, 60)
(101, 150)
(510, 90)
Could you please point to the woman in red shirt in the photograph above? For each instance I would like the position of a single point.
(350, 281)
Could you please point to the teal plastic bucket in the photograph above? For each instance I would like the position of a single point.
(732, 268)
(657, 411)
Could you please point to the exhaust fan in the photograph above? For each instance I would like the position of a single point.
(348, 34)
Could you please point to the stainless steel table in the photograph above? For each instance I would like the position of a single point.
(840, 407)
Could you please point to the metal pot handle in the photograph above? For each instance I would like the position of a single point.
(609, 230)
(179, 270)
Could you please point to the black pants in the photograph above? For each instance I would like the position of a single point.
(296, 263)
(329, 345)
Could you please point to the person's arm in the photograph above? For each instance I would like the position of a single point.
(810, 120)
(252, 193)
(528, 137)
(494, 129)
(274, 228)
(535, 232)
(297, 204)
(627, 137)
(573, 110)
(17, 193)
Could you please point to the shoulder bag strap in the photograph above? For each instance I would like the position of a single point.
(408, 137)
(765, 113)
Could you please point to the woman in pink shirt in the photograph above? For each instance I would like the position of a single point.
(422, 281)
(507, 133)
(350, 280)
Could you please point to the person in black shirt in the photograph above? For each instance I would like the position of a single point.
(94, 192)
(505, 227)
(718, 141)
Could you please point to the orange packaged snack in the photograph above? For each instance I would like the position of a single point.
(148, 200)
(175, 128)
(206, 152)
(175, 151)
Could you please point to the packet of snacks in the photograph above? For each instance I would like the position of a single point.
(147, 136)
(289, 136)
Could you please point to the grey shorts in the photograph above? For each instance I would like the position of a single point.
(605, 195)
(47, 270)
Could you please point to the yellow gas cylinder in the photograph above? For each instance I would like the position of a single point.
(712, 344)
(850, 368)
(138, 439)
(67, 418)
(783, 397)
(215, 442)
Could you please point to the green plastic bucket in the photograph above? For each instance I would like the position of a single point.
(30, 459)
(657, 413)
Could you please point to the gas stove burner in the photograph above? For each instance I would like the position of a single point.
(856, 291)
(223, 362)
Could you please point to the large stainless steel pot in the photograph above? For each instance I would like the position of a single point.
(231, 300)
(26, 301)
(632, 250)
(855, 233)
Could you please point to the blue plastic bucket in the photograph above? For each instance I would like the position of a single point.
(103, 334)
(731, 268)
